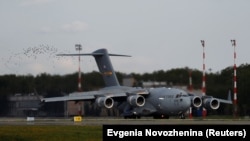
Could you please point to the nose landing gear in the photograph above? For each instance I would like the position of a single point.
(182, 116)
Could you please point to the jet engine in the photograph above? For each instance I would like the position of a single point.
(211, 103)
(136, 100)
(106, 102)
(196, 101)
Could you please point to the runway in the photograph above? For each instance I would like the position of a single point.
(120, 121)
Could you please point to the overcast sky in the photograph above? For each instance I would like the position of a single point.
(158, 34)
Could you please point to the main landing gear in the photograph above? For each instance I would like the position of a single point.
(161, 117)
(132, 117)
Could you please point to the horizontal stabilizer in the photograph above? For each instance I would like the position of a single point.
(92, 54)
(104, 65)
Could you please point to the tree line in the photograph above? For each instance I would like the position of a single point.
(217, 84)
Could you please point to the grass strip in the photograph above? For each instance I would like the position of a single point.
(50, 133)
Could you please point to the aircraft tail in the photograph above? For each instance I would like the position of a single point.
(104, 65)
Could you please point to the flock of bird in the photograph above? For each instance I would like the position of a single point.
(36, 54)
(33, 52)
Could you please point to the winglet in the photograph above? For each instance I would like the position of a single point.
(229, 100)
(229, 95)
(37, 95)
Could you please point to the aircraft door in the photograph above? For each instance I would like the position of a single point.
(160, 102)
(176, 102)
(164, 103)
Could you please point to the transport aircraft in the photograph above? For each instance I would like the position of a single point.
(137, 102)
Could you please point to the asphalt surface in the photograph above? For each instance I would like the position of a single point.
(119, 121)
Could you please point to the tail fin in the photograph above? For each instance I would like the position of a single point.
(104, 65)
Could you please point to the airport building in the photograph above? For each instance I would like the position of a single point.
(23, 105)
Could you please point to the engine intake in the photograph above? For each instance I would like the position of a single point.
(136, 100)
(106, 102)
(196, 101)
(211, 103)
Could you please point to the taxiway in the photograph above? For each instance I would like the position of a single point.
(117, 121)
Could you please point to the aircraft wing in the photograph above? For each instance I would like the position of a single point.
(82, 96)
(66, 98)
(107, 92)
(211, 102)
(225, 101)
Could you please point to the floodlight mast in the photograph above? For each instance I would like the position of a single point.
(78, 47)
(235, 80)
(204, 111)
(190, 89)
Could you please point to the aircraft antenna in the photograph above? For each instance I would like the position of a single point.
(235, 80)
(203, 78)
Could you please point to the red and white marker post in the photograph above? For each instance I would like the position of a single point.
(204, 111)
(235, 81)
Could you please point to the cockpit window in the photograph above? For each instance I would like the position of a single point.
(180, 95)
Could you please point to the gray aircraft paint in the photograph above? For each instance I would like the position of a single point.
(136, 101)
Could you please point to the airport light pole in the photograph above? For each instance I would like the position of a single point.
(78, 47)
(190, 81)
(235, 80)
(204, 112)
(190, 90)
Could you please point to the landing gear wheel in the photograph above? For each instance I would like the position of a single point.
(182, 116)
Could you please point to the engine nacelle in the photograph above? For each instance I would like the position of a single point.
(136, 100)
(211, 103)
(196, 101)
(106, 102)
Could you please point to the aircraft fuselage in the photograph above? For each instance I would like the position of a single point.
(169, 101)
(161, 103)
